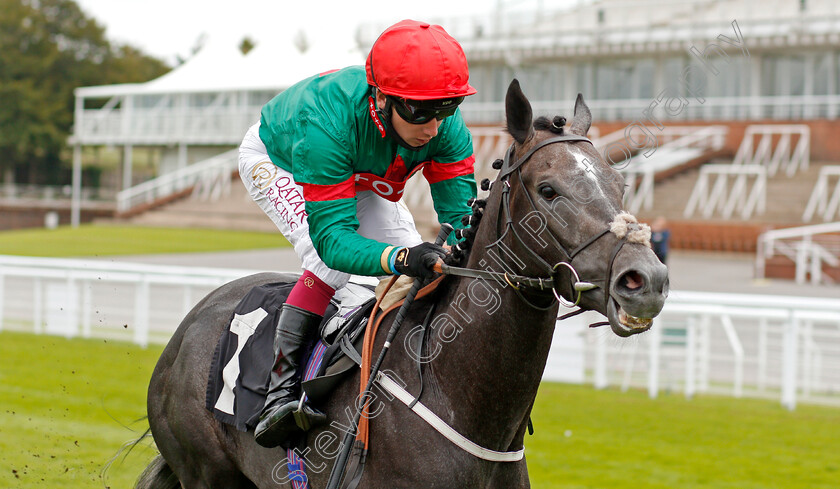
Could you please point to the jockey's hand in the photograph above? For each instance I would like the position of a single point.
(418, 261)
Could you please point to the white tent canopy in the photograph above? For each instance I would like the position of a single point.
(218, 67)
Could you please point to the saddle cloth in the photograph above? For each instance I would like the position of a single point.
(244, 355)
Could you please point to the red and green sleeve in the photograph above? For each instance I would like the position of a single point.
(451, 175)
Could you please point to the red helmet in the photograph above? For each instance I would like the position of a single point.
(418, 61)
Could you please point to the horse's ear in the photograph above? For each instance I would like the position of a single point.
(518, 113)
(583, 118)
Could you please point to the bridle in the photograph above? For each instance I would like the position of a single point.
(552, 282)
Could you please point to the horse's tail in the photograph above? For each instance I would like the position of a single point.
(158, 475)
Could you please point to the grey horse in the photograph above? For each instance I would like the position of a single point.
(554, 212)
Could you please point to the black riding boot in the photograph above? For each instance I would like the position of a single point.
(277, 420)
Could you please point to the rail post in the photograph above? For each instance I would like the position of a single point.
(790, 349)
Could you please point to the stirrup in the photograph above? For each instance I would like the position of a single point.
(307, 417)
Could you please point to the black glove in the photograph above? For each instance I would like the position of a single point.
(418, 260)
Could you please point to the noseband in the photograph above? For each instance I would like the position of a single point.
(552, 282)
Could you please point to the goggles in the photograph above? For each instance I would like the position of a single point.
(422, 111)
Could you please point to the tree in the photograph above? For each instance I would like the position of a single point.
(246, 45)
(47, 49)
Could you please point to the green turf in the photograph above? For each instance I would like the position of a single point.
(607, 439)
(102, 240)
(68, 406)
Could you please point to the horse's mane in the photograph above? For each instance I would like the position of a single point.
(460, 252)
(555, 125)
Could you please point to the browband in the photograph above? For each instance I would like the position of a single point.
(508, 168)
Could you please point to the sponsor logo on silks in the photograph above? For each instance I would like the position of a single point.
(372, 112)
(389, 189)
(263, 174)
(309, 282)
(288, 201)
(434, 172)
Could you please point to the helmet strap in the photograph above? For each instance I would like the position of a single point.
(384, 115)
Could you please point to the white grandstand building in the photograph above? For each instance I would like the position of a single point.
(731, 59)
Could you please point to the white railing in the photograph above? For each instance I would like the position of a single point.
(783, 156)
(823, 200)
(51, 193)
(743, 345)
(746, 345)
(226, 125)
(723, 198)
(523, 24)
(677, 145)
(177, 123)
(210, 177)
(810, 248)
(97, 298)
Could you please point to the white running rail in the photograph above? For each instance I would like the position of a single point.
(784, 155)
(98, 298)
(739, 344)
(747, 345)
(823, 200)
(721, 197)
(809, 247)
(211, 179)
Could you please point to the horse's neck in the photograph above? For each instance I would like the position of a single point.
(493, 348)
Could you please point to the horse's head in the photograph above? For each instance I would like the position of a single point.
(561, 213)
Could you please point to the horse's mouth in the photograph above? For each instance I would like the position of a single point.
(625, 324)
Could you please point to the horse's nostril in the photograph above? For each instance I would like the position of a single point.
(632, 280)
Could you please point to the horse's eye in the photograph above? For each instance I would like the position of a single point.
(547, 192)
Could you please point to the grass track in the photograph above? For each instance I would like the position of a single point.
(65, 403)
(64, 406)
(99, 240)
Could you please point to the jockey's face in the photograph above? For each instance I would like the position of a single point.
(414, 134)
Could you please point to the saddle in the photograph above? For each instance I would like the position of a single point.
(242, 361)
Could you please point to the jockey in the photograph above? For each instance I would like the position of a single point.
(328, 163)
